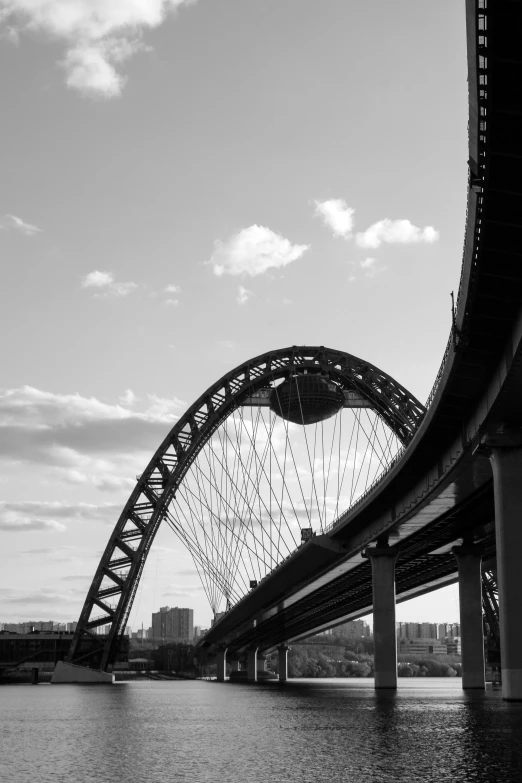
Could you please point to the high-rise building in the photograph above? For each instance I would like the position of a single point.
(353, 628)
(454, 630)
(173, 625)
(417, 631)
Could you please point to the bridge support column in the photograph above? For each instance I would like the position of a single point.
(252, 665)
(234, 665)
(282, 652)
(469, 559)
(506, 461)
(384, 629)
(221, 661)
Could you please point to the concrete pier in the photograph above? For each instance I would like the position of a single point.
(66, 673)
(252, 665)
(221, 664)
(282, 652)
(469, 559)
(384, 632)
(506, 461)
(234, 665)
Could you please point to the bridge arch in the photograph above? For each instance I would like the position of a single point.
(360, 384)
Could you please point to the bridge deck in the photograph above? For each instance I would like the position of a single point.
(441, 488)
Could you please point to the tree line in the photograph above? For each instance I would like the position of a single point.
(355, 659)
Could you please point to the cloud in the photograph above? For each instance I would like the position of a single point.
(104, 282)
(81, 439)
(9, 34)
(104, 481)
(395, 232)
(243, 295)
(29, 525)
(253, 251)
(14, 223)
(337, 215)
(173, 289)
(99, 35)
(42, 598)
(367, 263)
(32, 515)
(369, 266)
(172, 302)
(128, 398)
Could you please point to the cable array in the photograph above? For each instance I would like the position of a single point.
(260, 480)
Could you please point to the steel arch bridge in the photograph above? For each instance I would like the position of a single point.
(207, 478)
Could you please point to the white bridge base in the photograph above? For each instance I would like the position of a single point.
(72, 673)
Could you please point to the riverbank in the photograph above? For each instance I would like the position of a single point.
(24, 677)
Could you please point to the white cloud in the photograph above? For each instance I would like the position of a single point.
(17, 224)
(81, 440)
(369, 266)
(171, 302)
(395, 231)
(12, 524)
(33, 515)
(97, 279)
(253, 251)
(104, 481)
(106, 285)
(337, 215)
(367, 263)
(243, 295)
(90, 70)
(99, 35)
(173, 289)
(128, 398)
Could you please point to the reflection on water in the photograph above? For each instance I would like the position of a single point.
(305, 731)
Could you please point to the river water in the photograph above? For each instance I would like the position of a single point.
(304, 731)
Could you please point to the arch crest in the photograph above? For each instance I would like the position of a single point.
(116, 580)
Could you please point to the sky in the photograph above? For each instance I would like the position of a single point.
(185, 185)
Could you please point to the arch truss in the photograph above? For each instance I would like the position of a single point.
(228, 481)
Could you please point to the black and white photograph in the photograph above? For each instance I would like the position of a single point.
(260, 391)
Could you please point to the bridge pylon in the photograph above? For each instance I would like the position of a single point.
(252, 665)
(221, 664)
(469, 560)
(383, 559)
(506, 461)
(282, 652)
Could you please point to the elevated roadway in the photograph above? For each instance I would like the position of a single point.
(439, 491)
